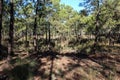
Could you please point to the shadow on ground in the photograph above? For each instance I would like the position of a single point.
(80, 66)
(50, 65)
(3, 52)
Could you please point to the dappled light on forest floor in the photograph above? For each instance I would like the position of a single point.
(51, 65)
(70, 66)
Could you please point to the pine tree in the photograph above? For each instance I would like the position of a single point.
(1, 14)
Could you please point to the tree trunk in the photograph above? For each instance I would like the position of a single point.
(49, 40)
(11, 28)
(96, 28)
(76, 32)
(1, 13)
(34, 34)
(46, 34)
(26, 40)
(49, 33)
(26, 33)
(34, 30)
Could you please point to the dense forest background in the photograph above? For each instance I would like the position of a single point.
(46, 40)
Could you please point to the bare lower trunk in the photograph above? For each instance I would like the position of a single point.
(11, 27)
(26, 40)
(96, 28)
(34, 35)
(46, 36)
(1, 12)
(49, 36)
(49, 33)
(35, 28)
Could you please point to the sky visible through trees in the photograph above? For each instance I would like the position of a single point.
(73, 3)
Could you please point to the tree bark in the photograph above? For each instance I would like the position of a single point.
(11, 28)
(49, 33)
(1, 13)
(26, 40)
(35, 27)
(11, 32)
(76, 32)
(96, 27)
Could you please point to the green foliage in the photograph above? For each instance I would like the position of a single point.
(65, 22)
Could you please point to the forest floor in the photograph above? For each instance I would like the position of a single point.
(69, 66)
(51, 65)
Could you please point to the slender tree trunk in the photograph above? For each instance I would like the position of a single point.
(11, 28)
(46, 35)
(34, 34)
(1, 13)
(49, 33)
(26, 40)
(76, 31)
(49, 40)
(96, 27)
(26, 33)
(34, 30)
